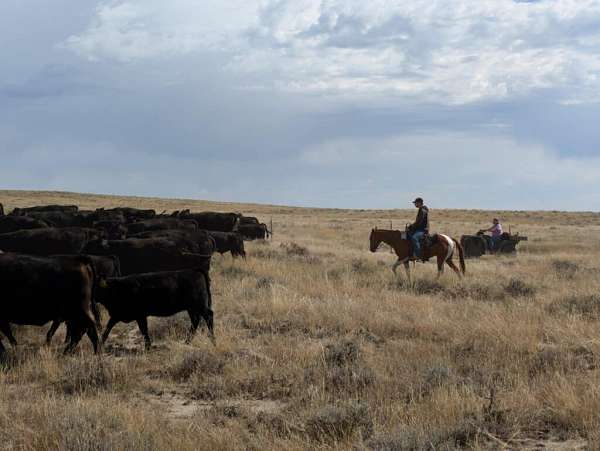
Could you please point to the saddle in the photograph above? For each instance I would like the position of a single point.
(426, 242)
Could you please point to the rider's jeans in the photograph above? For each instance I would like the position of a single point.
(416, 238)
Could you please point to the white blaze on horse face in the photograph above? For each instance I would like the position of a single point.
(450, 246)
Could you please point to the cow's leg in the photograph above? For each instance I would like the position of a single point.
(453, 266)
(53, 328)
(111, 323)
(208, 317)
(92, 333)
(75, 337)
(143, 325)
(6, 330)
(67, 334)
(195, 320)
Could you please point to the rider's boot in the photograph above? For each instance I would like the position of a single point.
(413, 253)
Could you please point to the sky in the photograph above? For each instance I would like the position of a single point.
(491, 104)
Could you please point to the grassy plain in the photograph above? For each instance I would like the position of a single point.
(319, 346)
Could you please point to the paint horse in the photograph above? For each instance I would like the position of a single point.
(442, 247)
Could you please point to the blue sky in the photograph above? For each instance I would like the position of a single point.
(333, 103)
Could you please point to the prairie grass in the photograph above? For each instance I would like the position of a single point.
(319, 346)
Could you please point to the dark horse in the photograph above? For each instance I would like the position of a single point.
(442, 246)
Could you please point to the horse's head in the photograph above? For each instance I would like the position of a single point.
(374, 239)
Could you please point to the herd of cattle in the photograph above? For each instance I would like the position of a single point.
(57, 262)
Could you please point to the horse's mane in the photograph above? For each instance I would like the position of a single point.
(388, 230)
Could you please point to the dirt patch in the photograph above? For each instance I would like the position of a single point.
(176, 406)
(549, 444)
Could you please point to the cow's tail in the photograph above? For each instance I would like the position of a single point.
(93, 305)
(461, 256)
(212, 245)
(207, 282)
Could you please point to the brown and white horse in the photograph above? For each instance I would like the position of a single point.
(443, 247)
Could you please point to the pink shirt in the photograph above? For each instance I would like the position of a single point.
(497, 230)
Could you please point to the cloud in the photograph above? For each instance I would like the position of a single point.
(323, 103)
(139, 29)
(435, 51)
(427, 50)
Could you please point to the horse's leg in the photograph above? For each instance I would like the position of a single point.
(454, 267)
(395, 265)
(407, 269)
(440, 265)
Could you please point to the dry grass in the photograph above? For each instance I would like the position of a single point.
(319, 347)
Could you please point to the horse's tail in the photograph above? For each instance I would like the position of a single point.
(461, 256)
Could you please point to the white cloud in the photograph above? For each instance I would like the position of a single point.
(387, 98)
(131, 30)
(426, 50)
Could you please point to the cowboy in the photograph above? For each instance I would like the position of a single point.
(496, 231)
(419, 228)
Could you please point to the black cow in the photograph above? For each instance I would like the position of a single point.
(104, 267)
(161, 224)
(194, 241)
(138, 255)
(130, 214)
(229, 242)
(105, 215)
(136, 297)
(245, 220)
(48, 241)
(62, 218)
(253, 231)
(113, 229)
(27, 210)
(217, 222)
(37, 290)
(14, 223)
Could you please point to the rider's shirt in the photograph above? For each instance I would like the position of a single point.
(496, 230)
(421, 224)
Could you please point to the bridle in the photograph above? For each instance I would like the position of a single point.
(381, 242)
